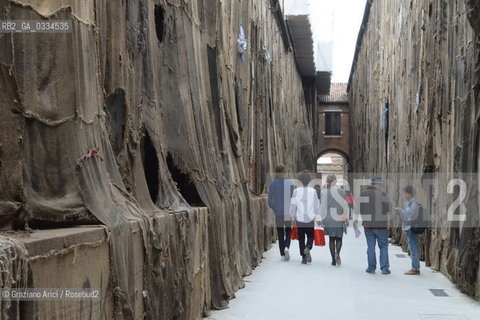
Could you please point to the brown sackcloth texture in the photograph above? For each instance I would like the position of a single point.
(144, 111)
(13, 274)
(422, 58)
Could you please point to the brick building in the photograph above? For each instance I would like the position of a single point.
(333, 114)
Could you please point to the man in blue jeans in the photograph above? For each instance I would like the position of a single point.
(374, 208)
(407, 215)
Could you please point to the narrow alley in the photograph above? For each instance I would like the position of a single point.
(154, 155)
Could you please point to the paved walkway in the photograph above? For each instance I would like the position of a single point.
(289, 290)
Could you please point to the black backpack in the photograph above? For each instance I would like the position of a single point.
(419, 221)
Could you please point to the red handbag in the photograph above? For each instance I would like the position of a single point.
(294, 233)
(319, 237)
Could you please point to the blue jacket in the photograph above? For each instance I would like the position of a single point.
(279, 196)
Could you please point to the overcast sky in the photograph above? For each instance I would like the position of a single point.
(344, 17)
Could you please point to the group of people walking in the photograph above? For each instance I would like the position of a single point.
(305, 208)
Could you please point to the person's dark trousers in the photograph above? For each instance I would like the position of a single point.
(305, 230)
(283, 232)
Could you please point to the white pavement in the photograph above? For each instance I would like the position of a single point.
(289, 290)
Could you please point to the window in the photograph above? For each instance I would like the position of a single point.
(332, 123)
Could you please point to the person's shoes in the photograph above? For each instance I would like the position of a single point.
(371, 271)
(386, 271)
(412, 273)
(304, 260)
(334, 263)
(307, 256)
(283, 258)
(287, 254)
(338, 260)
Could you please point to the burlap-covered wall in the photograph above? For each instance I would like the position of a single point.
(420, 59)
(102, 124)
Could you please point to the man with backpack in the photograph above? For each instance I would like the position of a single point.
(409, 215)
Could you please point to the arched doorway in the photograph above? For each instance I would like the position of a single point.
(332, 162)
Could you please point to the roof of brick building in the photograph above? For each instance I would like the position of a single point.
(338, 93)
